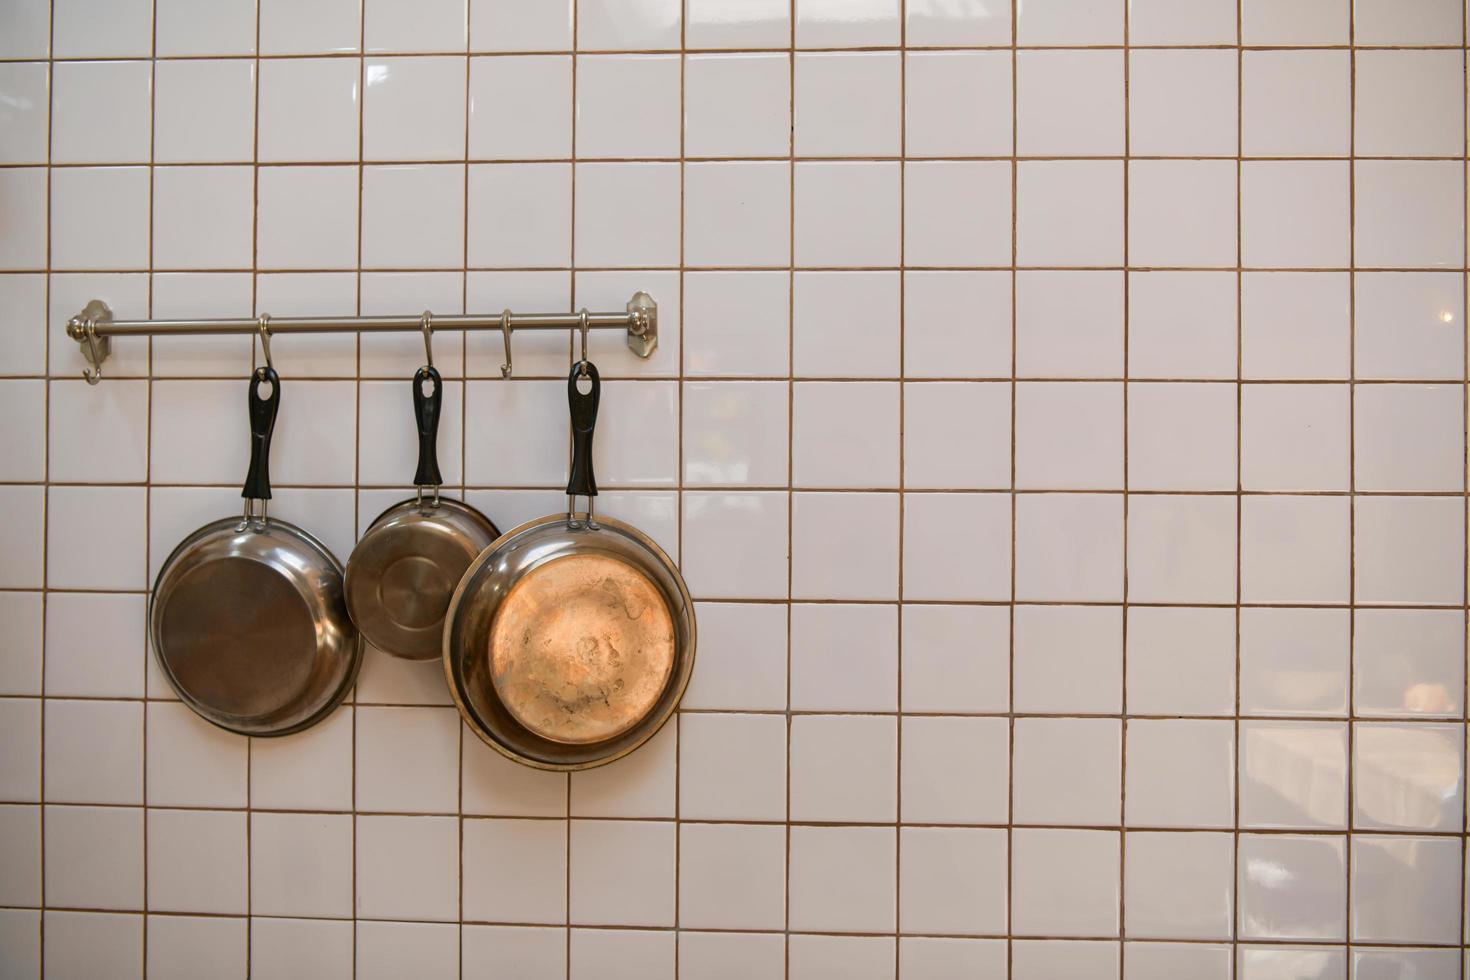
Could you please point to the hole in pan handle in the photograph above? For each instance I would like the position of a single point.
(426, 415)
(262, 424)
(582, 482)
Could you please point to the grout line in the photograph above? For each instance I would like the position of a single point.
(1011, 610)
(1127, 507)
(1352, 283)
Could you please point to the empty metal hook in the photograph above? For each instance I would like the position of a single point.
(505, 333)
(263, 327)
(426, 323)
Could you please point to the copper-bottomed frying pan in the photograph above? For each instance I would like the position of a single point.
(569, 642)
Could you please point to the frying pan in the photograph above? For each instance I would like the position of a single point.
(570, 641)
(403, 571)
(246, 617)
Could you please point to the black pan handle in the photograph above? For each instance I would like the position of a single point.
(262, 424)
(582, 482)
(426, 413)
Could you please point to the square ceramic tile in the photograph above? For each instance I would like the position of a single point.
(1426, 22)
(94, 857)
(503, 456)
(393, 25)
(1069, 547)
(1069, 436)
(1407, 663)
(24, 542)
(1294, 662)
(1294, 549)
(20, 780)
(732, 767)
(737, 214)
(1160, 961)
(1408, 213)
(1181, 661)
(385, 950)
(518, 107)
(1404, 325)
(730, 544)
(622, 872)
(532, 852)
(956, 324)
(184, 28)
(1182, 213)
(536, 197)
(315, 27)
(493, 785)
(193, 763)
(1178, 886)
(407, 867)
(825, 23)
(969, 22)
(1295, 325)
(1181, 548)
(1180, 773)
(23, 242)
(204, 111)
(737, 105)
(732, 876)
(846, 324)
(716, 954)
(1181, 436)
(644, 784)
(934, 748)
(301, 864)
(957, 103)
(198, 861)
(186, 201)
(627, 106)
(1294, 214)
(951, 880)
(1068, 659)
(1408, 437)
(1403, 889)
(1068, 22)
(621, 954)
(88, 29)
(20, 651)
(1293, 774)
(829, 563)
(278, 947)
(829, 232)
(1387, 81)
(178, 944)
(23, 301)
(955, 658)
(943, 534)
(1432, 963)
(627, 214)
(27, 29)
(1064, 882)
(94, 752)
(1296, 103)
(312, 771)
(413, 108)
(844, 769)
(21, 856)
(83, 196)
(309, 109)
(842, 879)
(955, 213)
(1067, 771)
(1405, 777)
(1310, 22)
(735, 433)
(634, 24)
(1069, 212)
(521, 25)
(719, 308)
(531, 952)
(98, 436)
(100, 112)
(1041, 959)
(758, 24)
(25, 120)
(1069, 103)
(941, 417)
(1181, 102)
(306, 217)
(1406, 550)
(89, 943)
(406, 759)
(112, 519)
(1069, 324)
(1291, 887)
(844, 657)
(742, 657)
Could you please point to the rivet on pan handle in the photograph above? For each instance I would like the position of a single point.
(426, 414)
(582, 482)
(262, 424)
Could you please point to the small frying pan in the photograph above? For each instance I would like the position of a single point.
(570, 641)
(403, 571)
(246, 616)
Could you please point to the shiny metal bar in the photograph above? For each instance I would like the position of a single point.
(94, 328)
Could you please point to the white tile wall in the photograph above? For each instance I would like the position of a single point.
(1060, 418)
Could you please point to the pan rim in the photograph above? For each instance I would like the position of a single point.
(681, 678)
(339, 695)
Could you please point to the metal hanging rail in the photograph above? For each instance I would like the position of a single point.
(94, 328)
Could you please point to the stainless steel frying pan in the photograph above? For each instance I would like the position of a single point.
(246, 617)
(570, 641)
(403, 571)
